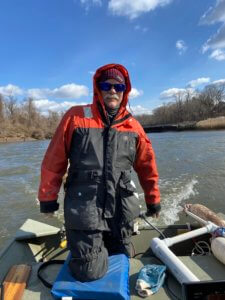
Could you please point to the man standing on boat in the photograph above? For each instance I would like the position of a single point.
(103, 143)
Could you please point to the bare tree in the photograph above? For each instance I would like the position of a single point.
(31, 112)
(217, 94)
(11, 106)
(1, 108)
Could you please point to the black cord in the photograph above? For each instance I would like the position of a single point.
(140, 253)
(153, 226)
(43, 266)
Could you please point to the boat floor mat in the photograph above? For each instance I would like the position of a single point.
(113, 286)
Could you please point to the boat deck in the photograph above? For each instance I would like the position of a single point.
(204, 267)
(31, 247)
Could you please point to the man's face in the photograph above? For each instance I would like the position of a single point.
(112, 98)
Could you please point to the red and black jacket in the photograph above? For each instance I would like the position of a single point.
(101, 157)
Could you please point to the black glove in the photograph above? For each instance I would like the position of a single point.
(49, 206)
(152, 210)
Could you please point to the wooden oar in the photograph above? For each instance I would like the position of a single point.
(15, 282)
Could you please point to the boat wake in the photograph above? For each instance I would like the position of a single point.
(173, 194)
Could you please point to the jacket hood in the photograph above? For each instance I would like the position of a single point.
(97, 94)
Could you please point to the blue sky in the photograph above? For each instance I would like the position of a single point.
(49, 49)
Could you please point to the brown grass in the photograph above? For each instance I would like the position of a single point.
(213, 123)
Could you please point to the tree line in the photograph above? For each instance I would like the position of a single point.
(24, 120)
(189, 107)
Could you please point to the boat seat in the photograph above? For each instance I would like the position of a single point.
(114, 285)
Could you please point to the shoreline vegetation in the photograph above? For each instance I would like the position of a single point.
(209, 124)
(22, 121)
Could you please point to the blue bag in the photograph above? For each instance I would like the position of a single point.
(150, 279)
(113, 286)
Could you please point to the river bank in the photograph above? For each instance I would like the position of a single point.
(209, 124)
(15, 139)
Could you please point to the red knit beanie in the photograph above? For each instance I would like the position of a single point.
(112, 74)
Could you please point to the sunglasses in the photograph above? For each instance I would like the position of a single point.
(106, 86)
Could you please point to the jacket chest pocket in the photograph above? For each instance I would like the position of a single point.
(81, 207)
(126, 151)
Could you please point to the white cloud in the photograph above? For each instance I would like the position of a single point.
(11, 90)
(37, 93)
(219, 82)
(214, 14)
(181, 46)
(205, 48)
(89, 2)
(71, 91)
(140, 28)
(134, 93)
(218, 55)
(217, 41)
(44, 105)
(171, 93)
(134, 8)
(176, 92)
(139, 110)
(199, 81)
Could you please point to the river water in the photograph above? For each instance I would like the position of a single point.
(191, 166)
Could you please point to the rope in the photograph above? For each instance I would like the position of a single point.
(201, 248)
